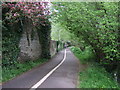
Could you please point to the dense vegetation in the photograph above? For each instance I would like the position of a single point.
(85, 56)
(94, 24)
(93, 76)
(94, 27)
(15, 17)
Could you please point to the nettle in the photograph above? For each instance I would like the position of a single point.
(38, 12)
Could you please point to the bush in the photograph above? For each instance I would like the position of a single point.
(84, 56)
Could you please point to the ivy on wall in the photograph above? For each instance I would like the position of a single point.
(14, 16)
(10, 44)
(44, 38)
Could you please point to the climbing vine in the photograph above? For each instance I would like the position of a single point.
(44, 38)
(10, 45)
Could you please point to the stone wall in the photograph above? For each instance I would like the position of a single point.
(36, 43)
(30, 48)
(29, 51)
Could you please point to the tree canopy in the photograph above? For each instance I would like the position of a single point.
(94, 23)
(38, 12)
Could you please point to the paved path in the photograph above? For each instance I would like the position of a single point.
(65, 76)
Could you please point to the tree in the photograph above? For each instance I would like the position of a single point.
(95, 23)
(15, 17)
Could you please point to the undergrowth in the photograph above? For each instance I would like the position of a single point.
(84, 56)
(94, 76)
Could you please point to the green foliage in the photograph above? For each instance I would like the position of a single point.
(95, 23)
(96, 77)
(60, 45)
(10, 45)
(76, 50)
(11, 72)
(0, 73)
(11, 34)
(44, 39)
(58, 33)
(84, 56)
(0, 37)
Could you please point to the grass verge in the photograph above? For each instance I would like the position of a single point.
(94, 76)
(10, 72)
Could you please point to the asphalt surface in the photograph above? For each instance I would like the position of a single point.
(66, 76)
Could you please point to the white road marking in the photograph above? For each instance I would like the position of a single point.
(46, 76)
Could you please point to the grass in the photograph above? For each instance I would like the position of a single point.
(11, 72)
(94, 76)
